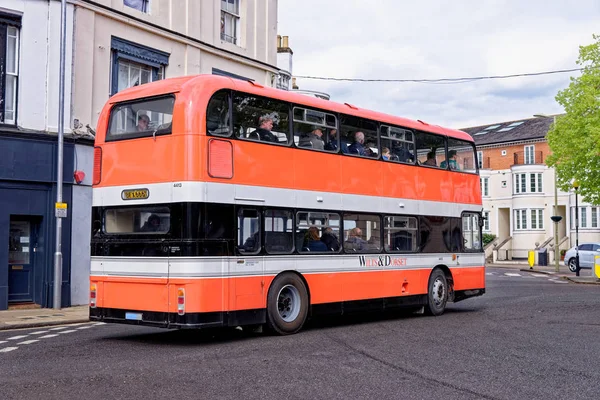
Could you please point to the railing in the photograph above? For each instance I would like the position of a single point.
(470, 164)
(545, 243)
(527, 158)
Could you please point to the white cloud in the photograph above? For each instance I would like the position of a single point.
(426, 40)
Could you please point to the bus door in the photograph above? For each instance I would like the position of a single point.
(247, 289)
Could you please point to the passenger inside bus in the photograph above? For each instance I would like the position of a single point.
(453, 162)
(263, 132)
(355, 242)
(357, 147)
(312, 242)
(312, 139)
(330, 239)
(332, 142)
(143, 122)
(431, 159)
(152, 224)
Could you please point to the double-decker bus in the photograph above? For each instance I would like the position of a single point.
(221, 202)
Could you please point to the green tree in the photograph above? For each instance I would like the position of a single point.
(575, 137)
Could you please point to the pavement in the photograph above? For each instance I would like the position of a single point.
(40, 317)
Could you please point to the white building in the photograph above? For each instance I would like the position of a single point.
(518, 191)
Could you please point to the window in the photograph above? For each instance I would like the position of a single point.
(594, 217)
(431, 149)
(397, 144)
(530, 154)
(147, 220)
(140, 5)
(317, 232)
(261, 119)
(472, 235)
(534, 185)
(460, 155)
(583, 217)
(520, 220)
(480, 159)
(400, 234)
(485, 190)
(520, 183)
(248, 231)
(537, 219)
(141, 118)
(9, 67)
(315, 129)
(217, 115)
(134, 64)
(486, 221)
(279, 231)
(230, 20)
(359, 137)
(362, 233)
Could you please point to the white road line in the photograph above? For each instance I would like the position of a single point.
(48, 336)
(100, 323)
(84, 327)
(3, 341)
(539, 275)
(7, 349)
(555, 280)
(28, 342)
(71, 331)
(17, 337)
(58, 329)
(38, 332)
(511, 274)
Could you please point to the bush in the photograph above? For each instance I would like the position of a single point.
(487, 238)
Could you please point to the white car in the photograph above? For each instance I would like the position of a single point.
(587, 256)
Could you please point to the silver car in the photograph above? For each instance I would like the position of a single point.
(587, 256)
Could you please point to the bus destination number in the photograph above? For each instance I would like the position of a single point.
(137, 194)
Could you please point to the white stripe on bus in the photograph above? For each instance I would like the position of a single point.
(214, 192)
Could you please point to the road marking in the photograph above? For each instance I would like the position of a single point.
(539, 275)
(511, 274)
(7, 349)
(58, 329)
(556, 280)
(28, 342)
(16, 337)
(38, 332)
(48, 336)
(3, 341)
(71, 331)
(100, 323)
(84, 327)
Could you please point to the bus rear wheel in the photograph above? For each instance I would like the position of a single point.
(287, 304)
(437, 293)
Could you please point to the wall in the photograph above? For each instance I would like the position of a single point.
(498, 162)
(39, 57)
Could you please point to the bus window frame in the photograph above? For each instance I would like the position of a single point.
(108, 137)
(377, 133)
(470, 144)
(418, 234)
(414, 143)
(259, 213)
(479, 229)
(229, 113)
(105, 210)
(293, 106)
(436, 167)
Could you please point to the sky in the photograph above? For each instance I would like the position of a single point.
(429, 39)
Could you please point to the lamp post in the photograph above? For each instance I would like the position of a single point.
(555, 218)
(576, 186)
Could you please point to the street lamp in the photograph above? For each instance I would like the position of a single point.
(576, 186)
(555, 218)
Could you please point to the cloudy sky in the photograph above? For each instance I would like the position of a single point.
(400, 39)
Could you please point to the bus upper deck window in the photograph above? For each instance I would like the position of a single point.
(147, 117)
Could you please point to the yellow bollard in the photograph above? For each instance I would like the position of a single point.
(531, 258)
(597, 266)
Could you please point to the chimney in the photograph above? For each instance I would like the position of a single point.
(285, 42)
(294, 86)
(278, 41)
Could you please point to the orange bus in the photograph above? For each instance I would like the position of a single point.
(221, 202)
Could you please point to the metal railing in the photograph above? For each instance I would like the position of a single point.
(528, 158)
(470, 164)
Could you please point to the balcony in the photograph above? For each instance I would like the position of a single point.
(531, 158)
(468, 164)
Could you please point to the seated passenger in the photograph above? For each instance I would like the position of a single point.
(330, 240)
(332, 144)
(143, 123)
(385, 154)
(152, 224)
(355, 242)
(357, 147)
(312, 139)
(312, 241)
(431, 159)
(264, 130)
(453, 162)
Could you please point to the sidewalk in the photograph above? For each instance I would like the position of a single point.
(585, 275)
(28, 318)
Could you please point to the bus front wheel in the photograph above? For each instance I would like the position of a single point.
(437, 294)
(287, 304)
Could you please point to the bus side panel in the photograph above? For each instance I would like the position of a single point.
(378, 284)
(133, 294)
(468, 278)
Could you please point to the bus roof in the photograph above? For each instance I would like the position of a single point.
(189, 83)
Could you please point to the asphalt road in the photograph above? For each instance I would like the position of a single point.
(529, 337)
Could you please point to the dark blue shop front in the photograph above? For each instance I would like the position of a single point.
(27, 223)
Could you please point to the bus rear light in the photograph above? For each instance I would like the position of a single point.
(97, 165)
(180, 301)
(93, 295)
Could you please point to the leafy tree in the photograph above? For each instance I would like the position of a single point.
(575, 137)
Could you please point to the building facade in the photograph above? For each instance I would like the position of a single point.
(110, 45)
(518, 190)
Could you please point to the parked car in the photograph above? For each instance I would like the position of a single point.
(587, 256)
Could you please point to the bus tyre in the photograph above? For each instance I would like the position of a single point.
(437, 294)
(287, 304)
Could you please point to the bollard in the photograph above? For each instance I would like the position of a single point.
(597, 267)
(531, 258)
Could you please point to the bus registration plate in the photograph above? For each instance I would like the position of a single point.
(133, 316)
(135, 194)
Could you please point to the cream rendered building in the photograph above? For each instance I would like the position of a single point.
(122, 43)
